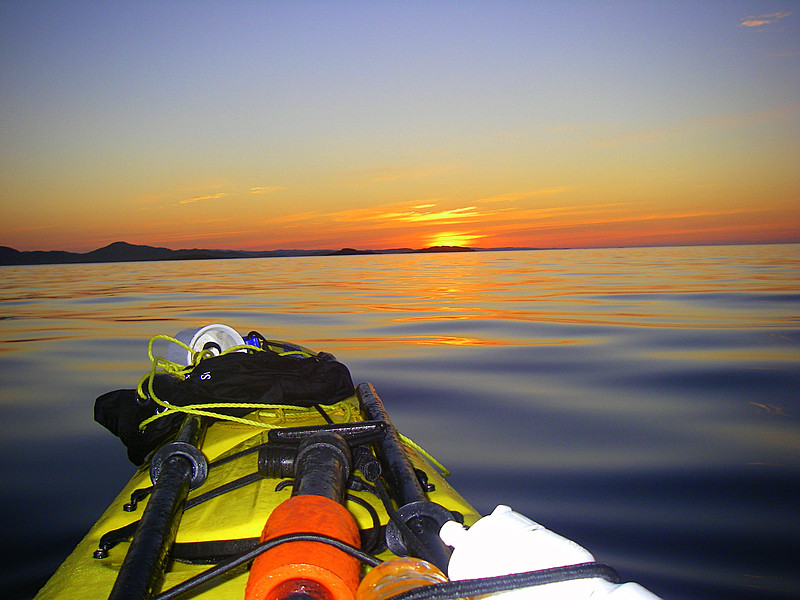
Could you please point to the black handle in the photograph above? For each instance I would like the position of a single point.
(143, 567)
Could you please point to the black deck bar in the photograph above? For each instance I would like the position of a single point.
(143, 567)
(356, 432)
(403, 481)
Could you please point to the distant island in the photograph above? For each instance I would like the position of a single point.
(353, 251)
(125, 252)
(446, 249)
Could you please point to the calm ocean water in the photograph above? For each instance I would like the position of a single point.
(643, 402)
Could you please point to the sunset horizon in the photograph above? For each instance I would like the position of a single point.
(291, 250)
(322, 125)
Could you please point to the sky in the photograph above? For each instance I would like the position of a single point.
(375, 125)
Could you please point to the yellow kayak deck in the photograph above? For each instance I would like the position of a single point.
(239, 514)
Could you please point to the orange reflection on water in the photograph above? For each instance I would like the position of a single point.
(433, 340)
(457, 299)
(698, 288)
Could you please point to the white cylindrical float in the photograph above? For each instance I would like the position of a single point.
(218, 337)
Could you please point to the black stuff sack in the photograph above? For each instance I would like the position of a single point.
(234, 378)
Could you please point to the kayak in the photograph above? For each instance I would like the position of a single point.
(265, 474)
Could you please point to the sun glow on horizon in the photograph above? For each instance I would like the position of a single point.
(453, 238)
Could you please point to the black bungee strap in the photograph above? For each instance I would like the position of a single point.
(111, 538)
(465, 588)
(210, 552)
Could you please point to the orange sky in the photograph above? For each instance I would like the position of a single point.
(331, 124)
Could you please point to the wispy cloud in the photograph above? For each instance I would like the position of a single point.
(761, 20)
(416, 215)
(616, 224)
(433, 214)
(170, 198)
(200, 198)
(266, 190)
(428, 212)
(579, 220)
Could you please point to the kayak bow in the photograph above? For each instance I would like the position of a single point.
(266, 475)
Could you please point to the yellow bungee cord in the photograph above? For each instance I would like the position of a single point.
(160, 364)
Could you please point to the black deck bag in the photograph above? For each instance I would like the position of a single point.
(238, 378)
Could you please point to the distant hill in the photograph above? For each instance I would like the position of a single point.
(125, 252)
(350, 252)
(446, 249)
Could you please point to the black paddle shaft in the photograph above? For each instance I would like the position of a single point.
(143, 567)
(421, 516)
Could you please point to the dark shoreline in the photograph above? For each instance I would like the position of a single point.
(125, 252)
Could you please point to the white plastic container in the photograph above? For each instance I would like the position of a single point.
(196, 338)
(507, 542)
